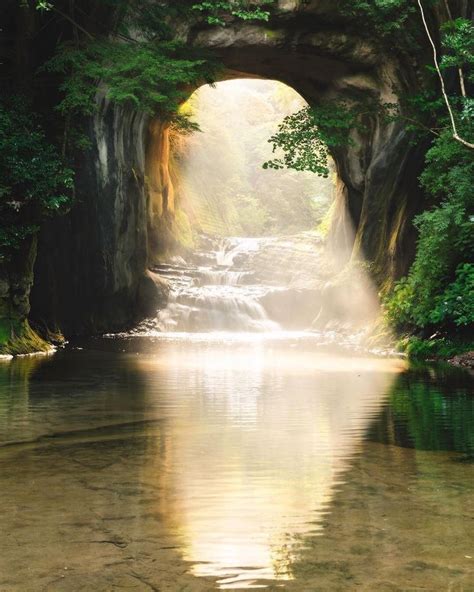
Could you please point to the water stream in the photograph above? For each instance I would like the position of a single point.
(218, 293)
(190, 455)
(229, 286)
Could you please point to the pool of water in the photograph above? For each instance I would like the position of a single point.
(234, 462)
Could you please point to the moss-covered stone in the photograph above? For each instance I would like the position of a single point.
(17, 337)
(16, 279)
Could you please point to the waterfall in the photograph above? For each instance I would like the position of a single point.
(266, 284)
(217, 296)
(230, 248)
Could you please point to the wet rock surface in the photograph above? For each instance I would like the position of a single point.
(264, 284)
(153, 293)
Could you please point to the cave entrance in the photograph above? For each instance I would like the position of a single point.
(249, 249)
(223, 188)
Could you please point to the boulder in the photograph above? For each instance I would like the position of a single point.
(153, 292)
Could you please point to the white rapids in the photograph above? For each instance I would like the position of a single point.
(219, 295)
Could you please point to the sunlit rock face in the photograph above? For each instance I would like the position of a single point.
(91, 262)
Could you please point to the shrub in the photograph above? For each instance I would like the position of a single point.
(35, 181)
(438, 291)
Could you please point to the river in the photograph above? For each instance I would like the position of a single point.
(181, 458)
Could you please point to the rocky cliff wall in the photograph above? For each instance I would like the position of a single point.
(91, 262)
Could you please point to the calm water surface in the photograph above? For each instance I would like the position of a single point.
(207, 463)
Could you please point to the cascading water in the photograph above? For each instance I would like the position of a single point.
(217, 292)
(267, 284)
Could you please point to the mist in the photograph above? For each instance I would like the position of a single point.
(263, 255)
(225, 190)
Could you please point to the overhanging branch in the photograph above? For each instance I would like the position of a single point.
(456, 135)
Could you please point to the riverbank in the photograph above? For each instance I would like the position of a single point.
(455, 351)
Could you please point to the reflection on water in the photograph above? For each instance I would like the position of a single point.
(430, 410)
(223, 464)
(257, 452)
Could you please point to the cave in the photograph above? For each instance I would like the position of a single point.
(90, 274)
(211, 376)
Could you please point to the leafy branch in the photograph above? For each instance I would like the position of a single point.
(152, 77)
(305, 137)
(216, 10)
(35, 182)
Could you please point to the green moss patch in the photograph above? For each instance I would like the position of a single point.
(17, 337)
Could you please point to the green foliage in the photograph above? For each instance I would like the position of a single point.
(35, 182)
(17, 337)
(12, 237)
(215, 11)
(436, 347)
(226, 190)
(449, 169)
(430, 408)
(305, 137)
(43, 5)
(148, 76)
(457, 301)
(458, 42)
(388, 22)
(438, 291)
(386, 15)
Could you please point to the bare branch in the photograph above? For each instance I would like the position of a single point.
(448, 10)
(456, 135)
(460, 72)
(421, 125)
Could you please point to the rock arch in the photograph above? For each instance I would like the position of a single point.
(91, 268)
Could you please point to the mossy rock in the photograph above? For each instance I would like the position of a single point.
(17, 337)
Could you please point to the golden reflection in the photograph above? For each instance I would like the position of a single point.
(255, 353)
(257, 448)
